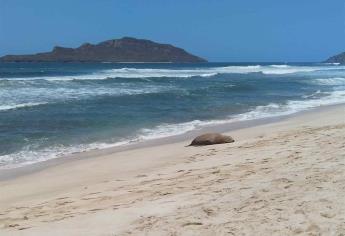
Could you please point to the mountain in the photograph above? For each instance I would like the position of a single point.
(339, 58)
(117, 50)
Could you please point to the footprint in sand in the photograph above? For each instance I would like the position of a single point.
(140, 176)
(209, 211)
(191, 223)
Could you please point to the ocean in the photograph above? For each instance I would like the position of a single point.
(48, 110)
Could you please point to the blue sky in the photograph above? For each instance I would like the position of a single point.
(233, 30)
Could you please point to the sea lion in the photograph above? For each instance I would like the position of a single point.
(210, 139)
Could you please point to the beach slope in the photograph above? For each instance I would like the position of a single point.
(284, 178)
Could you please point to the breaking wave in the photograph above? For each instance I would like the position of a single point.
(26, 157)
(183, 73)
(21, 105)
(270, 110)
(330, 81)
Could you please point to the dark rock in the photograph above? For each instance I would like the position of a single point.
(210, 139)
(117, 50)
(340, 58)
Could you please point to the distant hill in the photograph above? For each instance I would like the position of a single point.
(117, 50)
(339, 58)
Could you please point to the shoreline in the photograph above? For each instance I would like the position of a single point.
(284, 176)
(11, 173)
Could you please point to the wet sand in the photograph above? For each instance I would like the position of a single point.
(281, 178)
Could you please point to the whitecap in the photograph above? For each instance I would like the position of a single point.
(330, 81)
(184, 73)
(266, 111)
(26, 157)
(21, 105)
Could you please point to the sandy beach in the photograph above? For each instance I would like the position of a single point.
(282, 178)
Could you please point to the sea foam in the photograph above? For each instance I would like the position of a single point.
(308, 87)
(270, 110)
(330, 81)
(20, 105)
(26, 157)
(183, 73)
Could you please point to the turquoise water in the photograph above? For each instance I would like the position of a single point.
(48, 109)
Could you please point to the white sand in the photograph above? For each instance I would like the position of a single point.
(284, 178)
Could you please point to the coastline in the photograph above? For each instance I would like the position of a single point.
(106, 101)
(284, 176)
(10, 173)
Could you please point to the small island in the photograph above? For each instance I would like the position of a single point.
(126, 49)
(339, 58)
